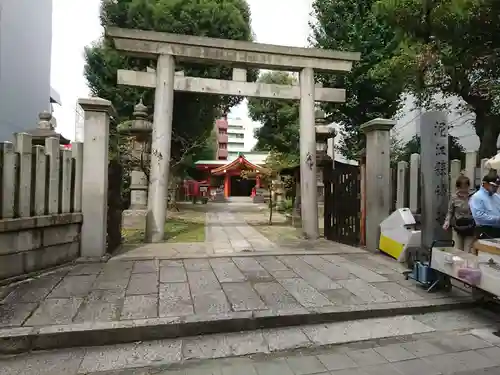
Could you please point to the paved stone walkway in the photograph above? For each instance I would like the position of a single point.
(227, 232)
(259, 286)
(428, 344)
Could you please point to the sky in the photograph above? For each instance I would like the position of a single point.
(76, 25)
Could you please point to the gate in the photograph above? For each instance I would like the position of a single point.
(342, 203)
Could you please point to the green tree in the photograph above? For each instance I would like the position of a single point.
(275, 162)
(351, 25)
(279, 118)
(194, 113)
(452, 48)
(403, 152)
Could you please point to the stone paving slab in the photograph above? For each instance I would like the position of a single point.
(382, 346)
(167, 298)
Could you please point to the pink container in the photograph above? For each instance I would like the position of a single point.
(470, 275)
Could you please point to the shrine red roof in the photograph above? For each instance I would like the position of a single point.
(239, 163)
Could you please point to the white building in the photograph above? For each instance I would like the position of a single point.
(25, 54)
(240, 134)
(461, 124)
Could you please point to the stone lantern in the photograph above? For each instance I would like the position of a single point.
(139, 129)
(323, 133)
(46, 129)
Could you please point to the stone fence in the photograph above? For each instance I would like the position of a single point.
(41, 203)
(53, 204)
(405, 186)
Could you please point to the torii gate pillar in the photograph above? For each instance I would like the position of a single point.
(160, 148)
(308, 188)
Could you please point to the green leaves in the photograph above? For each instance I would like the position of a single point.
(373, 89)
(455, 49)
(194, 114)
(279, 118)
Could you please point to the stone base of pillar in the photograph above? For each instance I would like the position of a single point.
(134, 219)
(259, 199)
(219, 197)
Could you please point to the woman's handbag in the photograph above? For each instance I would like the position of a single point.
(464, 226)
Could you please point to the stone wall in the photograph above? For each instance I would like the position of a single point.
(40, 204)
(33, 244)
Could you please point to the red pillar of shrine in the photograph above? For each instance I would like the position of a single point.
(227, 185)
(257, 182)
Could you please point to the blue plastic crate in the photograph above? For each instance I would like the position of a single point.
(423, 273)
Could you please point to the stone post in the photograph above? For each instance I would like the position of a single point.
(434, 176)
(95, 176)
(470, 167)
(160, 150)
(378, 177)
(401, 185)
(308, 184)
(483, 169)
(414, 182)
(455, 168)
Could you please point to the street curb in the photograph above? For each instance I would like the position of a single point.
(22, 339)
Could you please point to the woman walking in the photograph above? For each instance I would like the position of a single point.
(459, 216)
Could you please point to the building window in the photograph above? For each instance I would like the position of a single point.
(223, 146)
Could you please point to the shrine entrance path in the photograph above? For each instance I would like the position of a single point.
(238, 227)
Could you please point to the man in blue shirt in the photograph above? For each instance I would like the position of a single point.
(485, 207)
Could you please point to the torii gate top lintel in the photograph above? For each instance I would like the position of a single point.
(149, 44)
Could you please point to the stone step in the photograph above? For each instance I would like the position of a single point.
(21, 339)
(443, 342)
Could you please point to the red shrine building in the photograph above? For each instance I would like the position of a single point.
(231, 159)
(227, 173)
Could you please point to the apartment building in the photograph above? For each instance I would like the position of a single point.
(234, 136)
(25, 59)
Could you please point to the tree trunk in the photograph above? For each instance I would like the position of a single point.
(488, 130)
(270, 207)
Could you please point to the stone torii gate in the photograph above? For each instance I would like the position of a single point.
(171, 48)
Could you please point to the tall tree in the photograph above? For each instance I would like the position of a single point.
(194, 114)
(279, 118)
(352, 25)
(454, 47)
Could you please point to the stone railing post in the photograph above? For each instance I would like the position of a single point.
(95, 176)
(414, 182)
(470, 167)
(455, 167)
(378, 176)
(401, 184)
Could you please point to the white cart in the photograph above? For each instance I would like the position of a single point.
(481, 270)
(398, 233)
